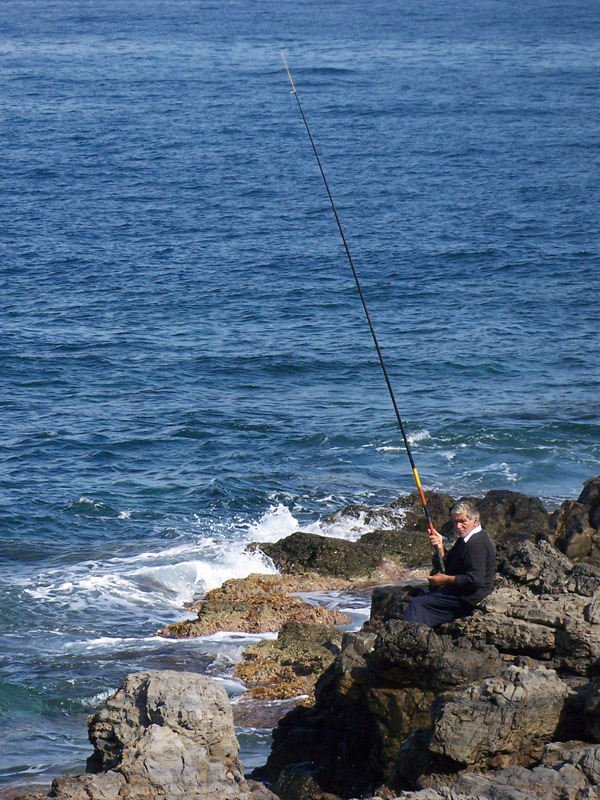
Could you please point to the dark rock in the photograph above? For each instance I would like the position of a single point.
(389, 602)
(510, 515)
(540, 567)
(413, 518)
(590, 497)
(419, 705)
(409, 654)
(576, 525)
(309, 552)
(411, 549)
(261, 714)
(300, 782)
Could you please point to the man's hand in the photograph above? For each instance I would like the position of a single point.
(436, 540)
(440, 579)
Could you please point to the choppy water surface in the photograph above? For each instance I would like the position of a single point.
(185, 364)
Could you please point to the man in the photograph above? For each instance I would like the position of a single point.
(468, 576)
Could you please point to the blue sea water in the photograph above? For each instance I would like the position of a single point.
(185, 364)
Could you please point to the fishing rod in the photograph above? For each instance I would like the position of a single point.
(368, 316)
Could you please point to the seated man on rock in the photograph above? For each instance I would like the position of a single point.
(468, 574)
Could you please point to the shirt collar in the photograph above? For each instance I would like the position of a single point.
(471, 533)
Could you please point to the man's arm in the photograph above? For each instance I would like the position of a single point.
(439, 579)
(473, 575)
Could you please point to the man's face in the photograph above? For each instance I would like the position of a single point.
(463, 525)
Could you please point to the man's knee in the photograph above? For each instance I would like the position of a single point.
(416, 611)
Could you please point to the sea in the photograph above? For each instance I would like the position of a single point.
(185, 363)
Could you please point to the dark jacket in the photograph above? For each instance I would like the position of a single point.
(473, 564)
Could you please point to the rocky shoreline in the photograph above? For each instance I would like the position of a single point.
(503, 705)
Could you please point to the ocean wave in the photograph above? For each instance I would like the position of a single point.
(275, 524)
(278, 522)
(125, 583)
(419, 436)
(88, 507)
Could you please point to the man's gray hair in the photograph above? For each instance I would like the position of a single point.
(467, 508)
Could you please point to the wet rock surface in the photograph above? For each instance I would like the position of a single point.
(256, 604)
(290, 665)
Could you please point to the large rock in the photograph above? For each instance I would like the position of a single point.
(513, 715)
(399, 534)
(576, 525)
(512, 515)
(406, 654)
(325, 555)
(548, 611)
(165, 735)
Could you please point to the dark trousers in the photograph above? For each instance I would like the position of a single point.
(436, 607)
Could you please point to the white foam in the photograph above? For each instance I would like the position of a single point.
(276, 523)
(233, 688)
(353, 527)
(162, 582)
(419, 436)
(232, 637)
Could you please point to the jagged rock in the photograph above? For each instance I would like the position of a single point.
(389, 602)
(540, 567)
(378, 690)
(290, 665)
(577, 525)
(408, 654)
(512, 515)
(336, 735)
(590, 496)
(252, 606)
(560, 629)
(324, 555)
(515, 713)
(567, 771)
(519, 783)
(165, 735)
(377, 706)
